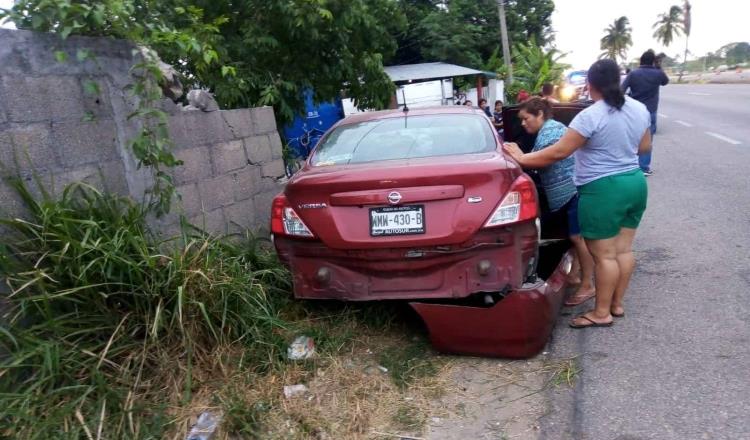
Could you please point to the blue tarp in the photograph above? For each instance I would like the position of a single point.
(320, 117)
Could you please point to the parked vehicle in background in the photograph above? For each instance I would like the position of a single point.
(425, 206)
(574, 87)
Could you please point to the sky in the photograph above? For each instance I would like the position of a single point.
(5, 4)
(580, 24)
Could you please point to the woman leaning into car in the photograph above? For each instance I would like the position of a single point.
(560, 189)
(606, 139)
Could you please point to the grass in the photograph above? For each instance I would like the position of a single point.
(408, 364)
(564, 372)
(110, 332)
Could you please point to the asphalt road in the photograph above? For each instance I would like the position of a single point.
(678, 365)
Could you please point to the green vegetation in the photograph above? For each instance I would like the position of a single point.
(672, 24)
(111, 330)
(729, 55)
(99, 307)
(467, 32)
(564, 372)
(669, 26)
(617, 39)
(533, 67)
(406, 364)
(249, 52)
(737, 53)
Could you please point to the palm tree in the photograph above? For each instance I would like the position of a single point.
(669, 26)
(617, 39)
(686, 22)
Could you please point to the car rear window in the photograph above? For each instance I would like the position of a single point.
(405, 138)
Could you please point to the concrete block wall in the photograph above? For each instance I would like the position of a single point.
(52, 126)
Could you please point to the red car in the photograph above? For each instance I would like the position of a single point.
(423, 205)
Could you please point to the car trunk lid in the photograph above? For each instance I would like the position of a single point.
(454, 194)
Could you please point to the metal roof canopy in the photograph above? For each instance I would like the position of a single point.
(415, 72)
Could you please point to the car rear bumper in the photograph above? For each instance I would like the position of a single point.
(518, 326)
(495, 259)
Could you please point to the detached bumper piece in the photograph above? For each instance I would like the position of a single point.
(518, 326)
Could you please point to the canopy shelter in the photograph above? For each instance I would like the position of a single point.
(406, 74)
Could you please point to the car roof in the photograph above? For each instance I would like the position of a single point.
(421, 111)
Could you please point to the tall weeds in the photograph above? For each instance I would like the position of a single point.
(98, 307)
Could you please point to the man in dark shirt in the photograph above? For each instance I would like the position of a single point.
(643, 84)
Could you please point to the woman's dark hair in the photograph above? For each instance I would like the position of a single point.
(498, 102)
(604, 76)
(535, 105)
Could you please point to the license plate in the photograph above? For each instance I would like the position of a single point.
(397, 220)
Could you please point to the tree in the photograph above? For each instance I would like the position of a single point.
(409, 40)
(686, 24)
(669, 26)
(534, 66)
(739, 53)
(617, 39)
(467, 32)
(248, 52)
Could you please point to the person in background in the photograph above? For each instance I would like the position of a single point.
(468, 103)
(560, 191)
(606, 138)
(485, 107)
(642, 84)
(659, 59)
(522, 96)
(497, 118)
(547, 91)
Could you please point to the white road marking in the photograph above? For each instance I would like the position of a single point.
(662, 115)
(723, 138)
(686, 124)
(699, 94)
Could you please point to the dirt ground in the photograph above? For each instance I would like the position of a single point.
(491, 399)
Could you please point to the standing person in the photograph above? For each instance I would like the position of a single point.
(468, 103)
(547, 91)
(643, 85)
(486, 108)
(606, 138)
(659, 59)
(557, 181)
(497, 118)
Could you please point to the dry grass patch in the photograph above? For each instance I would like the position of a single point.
(349, 395)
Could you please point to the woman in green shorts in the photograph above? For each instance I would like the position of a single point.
(606, 139)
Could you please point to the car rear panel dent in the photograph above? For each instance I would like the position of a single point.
(518, 326)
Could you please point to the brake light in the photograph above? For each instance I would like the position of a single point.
(284, 221)
(518, 205)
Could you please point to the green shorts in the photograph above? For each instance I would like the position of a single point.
(608, 204)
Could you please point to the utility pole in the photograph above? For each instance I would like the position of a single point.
(504, 37)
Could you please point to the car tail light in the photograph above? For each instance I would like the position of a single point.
(518, 205)
(284, 221)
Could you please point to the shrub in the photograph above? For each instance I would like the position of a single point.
(98, 306)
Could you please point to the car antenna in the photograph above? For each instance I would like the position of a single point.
(406, 107)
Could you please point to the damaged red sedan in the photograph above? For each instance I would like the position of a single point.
(423, 205)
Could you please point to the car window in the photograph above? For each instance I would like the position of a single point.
(405, 138)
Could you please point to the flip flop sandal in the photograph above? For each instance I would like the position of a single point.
(592, 323)
(578, 300)
(617, 315)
